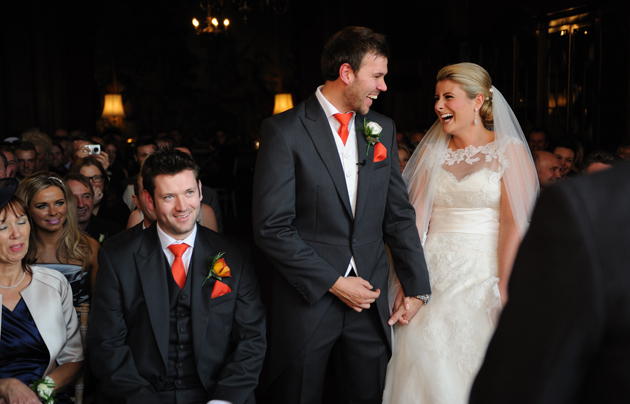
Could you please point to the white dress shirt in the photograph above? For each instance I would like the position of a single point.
(348, 154)
(166, 240)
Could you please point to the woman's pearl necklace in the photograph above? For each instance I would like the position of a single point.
(11, 287)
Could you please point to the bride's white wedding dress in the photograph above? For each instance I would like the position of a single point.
(437, 355)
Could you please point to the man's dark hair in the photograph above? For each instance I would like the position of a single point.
(598, 156)
(79, 178)
(144, 141)
(6, 148)
(565, 143)
(350, 45)
(538, 129)
(26, 146)
(70, 150)
(166, 161)
(136, 185)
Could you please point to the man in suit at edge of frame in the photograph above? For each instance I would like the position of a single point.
(564, 336)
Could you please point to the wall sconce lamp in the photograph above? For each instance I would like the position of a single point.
(283, 102)
(113, 109)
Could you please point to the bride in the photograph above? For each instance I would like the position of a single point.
(473, 184)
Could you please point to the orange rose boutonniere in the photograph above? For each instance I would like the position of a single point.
(219, 270)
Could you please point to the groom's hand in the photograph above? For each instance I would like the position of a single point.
(356, 292)
(404, 308)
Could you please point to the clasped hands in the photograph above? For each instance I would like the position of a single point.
(358, 294)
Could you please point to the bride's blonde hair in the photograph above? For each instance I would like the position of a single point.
(474, 80)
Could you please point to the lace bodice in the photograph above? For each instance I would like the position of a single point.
(470, 178)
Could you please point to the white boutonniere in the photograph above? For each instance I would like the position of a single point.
(372, 132)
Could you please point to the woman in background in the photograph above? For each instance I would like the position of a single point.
(566, 151)
(39, 333)
(56, 241)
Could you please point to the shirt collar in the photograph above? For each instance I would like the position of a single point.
(329, 109)
(166, 240)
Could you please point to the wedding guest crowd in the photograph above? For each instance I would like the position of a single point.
(393, 259)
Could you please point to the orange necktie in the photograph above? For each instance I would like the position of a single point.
(344, 120)
(179, 273)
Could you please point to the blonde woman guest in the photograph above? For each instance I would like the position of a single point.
(56, 241)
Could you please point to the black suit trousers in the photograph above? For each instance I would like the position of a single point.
(356, 345)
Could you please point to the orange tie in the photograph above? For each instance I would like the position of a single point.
(344, 120)
(179, 273)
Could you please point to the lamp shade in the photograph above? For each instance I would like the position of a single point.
(113, 106)
(283, 102)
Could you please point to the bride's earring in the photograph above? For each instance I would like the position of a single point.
(476, 109)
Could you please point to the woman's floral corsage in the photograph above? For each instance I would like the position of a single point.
(44, 388)
(372, 132)
(219, 270)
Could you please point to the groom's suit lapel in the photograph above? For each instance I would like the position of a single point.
(365, 170)
(318, 129)
(151, 266)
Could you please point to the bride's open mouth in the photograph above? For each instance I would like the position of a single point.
(446, 117)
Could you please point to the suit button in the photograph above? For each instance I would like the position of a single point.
(182, 314)
(182, 297)
(354, 241)
(182, 329)
(179, 365)
(181, 347)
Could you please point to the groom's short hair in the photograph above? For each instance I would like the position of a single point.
(350, 45)
(166, 161)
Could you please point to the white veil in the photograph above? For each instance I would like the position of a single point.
(515, 160)
(519, 172)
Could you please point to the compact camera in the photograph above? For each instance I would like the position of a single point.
(93, 148)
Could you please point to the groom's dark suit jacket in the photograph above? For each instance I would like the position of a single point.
(128, 333)
(303, 222)
(564, 336)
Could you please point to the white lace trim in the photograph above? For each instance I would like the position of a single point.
(470, 154)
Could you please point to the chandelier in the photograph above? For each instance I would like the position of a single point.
(216, 24)
(212, 23)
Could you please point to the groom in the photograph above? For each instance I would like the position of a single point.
(160, 330)
(325, 203)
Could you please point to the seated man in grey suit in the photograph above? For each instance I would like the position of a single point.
(564, 336)
(168, 325)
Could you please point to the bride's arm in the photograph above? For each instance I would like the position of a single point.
(509, 241)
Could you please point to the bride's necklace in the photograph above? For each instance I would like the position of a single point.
(17, 284)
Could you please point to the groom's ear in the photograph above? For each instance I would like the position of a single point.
(346, 74)
(148, 199)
